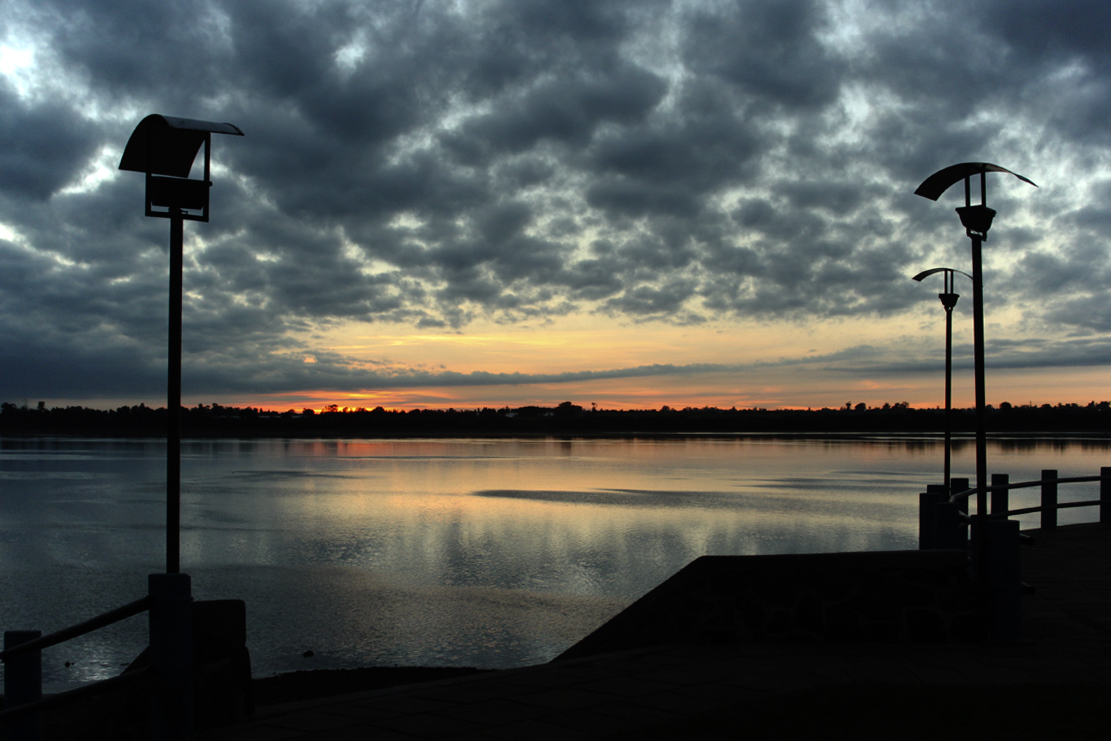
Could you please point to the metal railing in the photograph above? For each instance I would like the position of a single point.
(943, 511)
(20, 682)
(1001, 487)
(943, 523)
(169, 603)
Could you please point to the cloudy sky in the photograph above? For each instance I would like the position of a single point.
(466, 203)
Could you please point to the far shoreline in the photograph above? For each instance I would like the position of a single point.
(1091, 421)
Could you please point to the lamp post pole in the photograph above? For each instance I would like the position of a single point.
(977, 220)
(173, 398)
(948, 302)
(981, 394)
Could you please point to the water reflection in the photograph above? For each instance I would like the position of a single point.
(481, 552)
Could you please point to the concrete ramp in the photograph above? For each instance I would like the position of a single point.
(866, 597)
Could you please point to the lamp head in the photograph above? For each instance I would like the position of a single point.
(976, 219)
(163, 148)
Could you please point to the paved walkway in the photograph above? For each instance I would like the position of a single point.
(1067, 640)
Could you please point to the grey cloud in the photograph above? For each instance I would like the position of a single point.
(625, 198)
(522, 173)
(504, 221)
(44, 147)
(592, 280)
(769, 49)
(664, 300)
(1059, 28)
(1054, 274)
(1089, 312)
(566, 110)
(1068, 37)
(669, 165)
(133, 49)
(837, 198)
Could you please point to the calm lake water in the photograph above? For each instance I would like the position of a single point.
(490, 553)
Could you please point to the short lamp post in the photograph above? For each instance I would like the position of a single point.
(163, 148)
(948, 301)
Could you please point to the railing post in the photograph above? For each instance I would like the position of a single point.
(999, 577)
(171, 656)
(1005, 581)
(1000, 498)
(1105, 496)
(23, 685)
(1049, 499)
(927, 530)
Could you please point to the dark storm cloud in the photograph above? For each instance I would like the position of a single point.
(434, 163)
(769, 50)
(567, 110)
(44, 146)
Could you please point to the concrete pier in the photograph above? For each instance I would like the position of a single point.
(1049, 683)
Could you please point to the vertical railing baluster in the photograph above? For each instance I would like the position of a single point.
(1105, 496)
(1000, 498)
(1049, 498)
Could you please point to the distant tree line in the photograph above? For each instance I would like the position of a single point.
(565, 418)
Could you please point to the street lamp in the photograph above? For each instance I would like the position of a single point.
(163, 148)
(976, 221)
(948, 301)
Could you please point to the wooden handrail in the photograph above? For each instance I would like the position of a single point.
(1050, 505)
(65, 634)
(1027, 484)
(1040, 507)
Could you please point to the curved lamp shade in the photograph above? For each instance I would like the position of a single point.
(940, 181)
(927, 273)
(163, 148)
(167, 145)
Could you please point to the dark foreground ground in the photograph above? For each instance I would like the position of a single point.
(862, 711)
(313, 684)
(880, 712)
(1054, 684)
